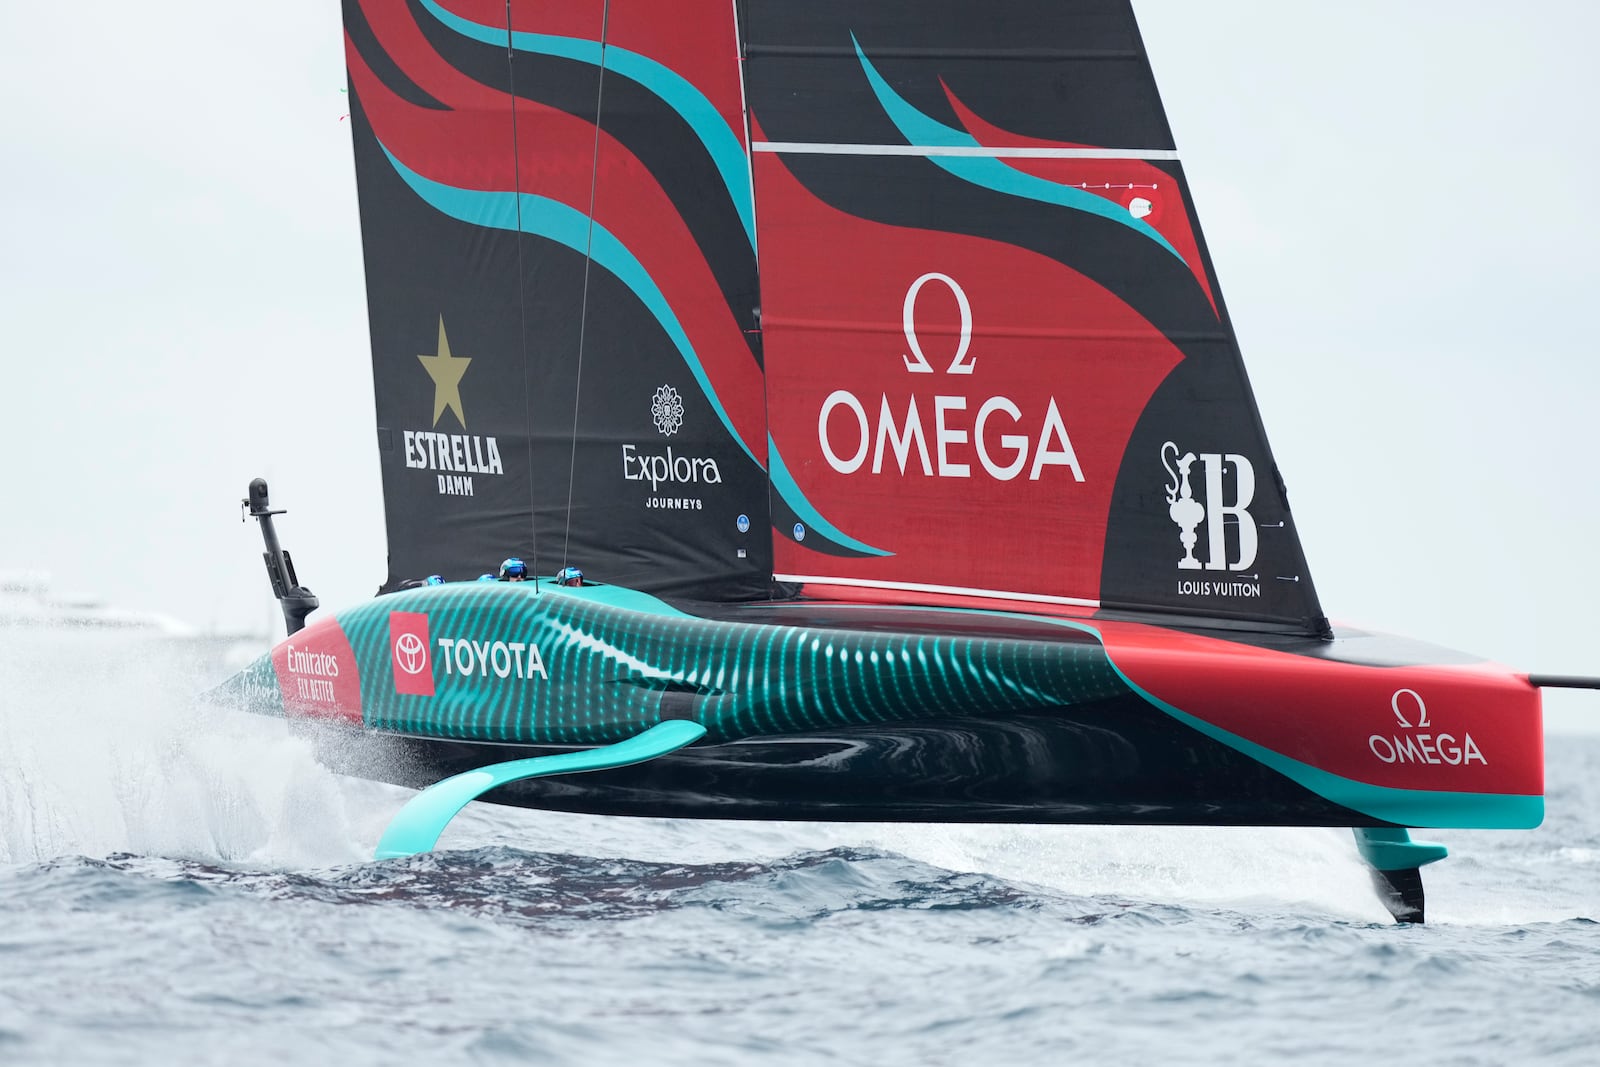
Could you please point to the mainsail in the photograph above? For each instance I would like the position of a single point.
(1004, 361)
(561, 281)
(935, 315)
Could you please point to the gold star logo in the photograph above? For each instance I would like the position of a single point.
(446, 371)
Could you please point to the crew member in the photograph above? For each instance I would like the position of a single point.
(513, 570)
(569, 576)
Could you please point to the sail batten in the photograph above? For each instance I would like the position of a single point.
(1015, 54)
(999, 152)
(945, 590)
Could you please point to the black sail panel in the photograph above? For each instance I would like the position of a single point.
(999, 359)
(657, 412)
(545, 187)
(442, 294)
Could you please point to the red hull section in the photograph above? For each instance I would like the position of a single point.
(1003, 410)
(318, 675)
(1460, 728)
(1449, 728)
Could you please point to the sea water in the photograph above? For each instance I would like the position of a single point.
(181, 884)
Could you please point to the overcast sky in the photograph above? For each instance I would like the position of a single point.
(1393, 193)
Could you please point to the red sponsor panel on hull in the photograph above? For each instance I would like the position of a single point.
(1471, 729)
(411, 653)
(317, 673)
(933, 389)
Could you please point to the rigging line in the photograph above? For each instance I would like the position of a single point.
(741, 56)
(522, 292)
(588, 263)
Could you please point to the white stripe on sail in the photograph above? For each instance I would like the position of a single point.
(959, 590)
(835, 149)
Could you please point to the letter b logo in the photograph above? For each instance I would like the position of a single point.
(1219, 511)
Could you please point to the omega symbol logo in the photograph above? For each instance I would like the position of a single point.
(666, 407)
(916, 362)
(1007, 439)
(1419, 708)
(1409, 744)
(410, 654)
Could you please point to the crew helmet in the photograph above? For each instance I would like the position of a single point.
(570, 576)
(513, 570)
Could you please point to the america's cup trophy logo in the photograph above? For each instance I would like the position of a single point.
(1212, 508)
(1184, 509)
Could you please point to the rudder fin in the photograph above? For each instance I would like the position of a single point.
(1396, 862)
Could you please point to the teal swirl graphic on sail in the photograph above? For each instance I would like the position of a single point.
(922, 131)
(676, 91)
(568, 226)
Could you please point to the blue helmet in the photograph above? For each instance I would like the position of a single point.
(434, 579)
(569, 576)
(487, 578)
(513, 570)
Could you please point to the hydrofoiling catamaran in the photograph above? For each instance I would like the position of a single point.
(870, 360)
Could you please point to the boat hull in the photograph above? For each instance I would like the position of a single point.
(848, 711)
(1093, 767)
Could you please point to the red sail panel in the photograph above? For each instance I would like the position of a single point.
(695, 39)
(687, 240)
(1000, 414)
(661, 483)
(998, 357)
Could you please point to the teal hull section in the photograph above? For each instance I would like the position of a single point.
(1036, 721)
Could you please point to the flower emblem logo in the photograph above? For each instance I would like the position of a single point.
(666, 407)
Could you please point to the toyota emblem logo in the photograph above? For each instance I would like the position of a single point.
(410, 654)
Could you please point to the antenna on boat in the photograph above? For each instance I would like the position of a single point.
(1563, 681)
(296, 600)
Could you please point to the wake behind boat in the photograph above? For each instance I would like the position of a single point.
(871, 366)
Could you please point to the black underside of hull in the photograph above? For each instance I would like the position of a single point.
(1110, 762)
